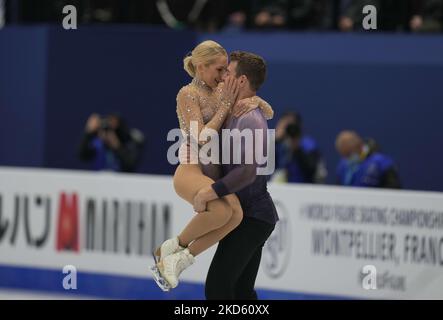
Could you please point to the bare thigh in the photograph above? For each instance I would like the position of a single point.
(188, 180)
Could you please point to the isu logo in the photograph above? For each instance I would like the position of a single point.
(67, 231)
(278, 247)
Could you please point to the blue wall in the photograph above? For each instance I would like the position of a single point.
(23, 92)
(384, 86)
(132, 71)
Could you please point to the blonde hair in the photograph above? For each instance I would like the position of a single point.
(204, 53)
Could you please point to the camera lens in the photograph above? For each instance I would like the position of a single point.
(293, 130)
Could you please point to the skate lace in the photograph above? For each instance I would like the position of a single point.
(178, 265)
(170, 247)
(182, 264)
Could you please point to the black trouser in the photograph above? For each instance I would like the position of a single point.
(235, 264)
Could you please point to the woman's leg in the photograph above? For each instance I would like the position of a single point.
(216, 222)
(188, 180)
(209, 239)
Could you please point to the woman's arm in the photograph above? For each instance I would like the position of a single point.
(265, 107)
(249, 104)
(188, 109)
(189, 114)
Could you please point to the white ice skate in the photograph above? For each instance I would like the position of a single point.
(173, 265)
(156, 275)
(167, 248)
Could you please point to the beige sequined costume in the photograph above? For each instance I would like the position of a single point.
(198, 102)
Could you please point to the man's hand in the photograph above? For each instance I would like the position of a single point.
(113, 140)
(203, 197)
(110, 139)
(199, 203)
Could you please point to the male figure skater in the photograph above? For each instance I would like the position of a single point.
(234, 267)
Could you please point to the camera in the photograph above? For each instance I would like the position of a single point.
(293, 131)
(105, 124)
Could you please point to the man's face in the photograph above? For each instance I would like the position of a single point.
(347, 147)
(345, 150)
(231, 70)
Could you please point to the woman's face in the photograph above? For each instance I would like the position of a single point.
(212, 74)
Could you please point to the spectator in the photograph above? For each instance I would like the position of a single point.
(270, 13)
(427, 16)
(298, 159)
(110, 144)
(394, 15)
(362, 165)
(311, 14)
(239, 15)
(214, 15)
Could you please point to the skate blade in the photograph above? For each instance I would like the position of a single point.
(155, 256)
(161, 282)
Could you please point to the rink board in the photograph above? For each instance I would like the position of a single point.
(330, 242)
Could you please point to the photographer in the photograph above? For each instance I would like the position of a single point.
(363, 165)
(298, 159)
(110, 144)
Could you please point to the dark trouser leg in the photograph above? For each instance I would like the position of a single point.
(237, 258)
(244, 290)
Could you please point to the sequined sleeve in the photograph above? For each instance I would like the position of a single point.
(265, 107)
(222, 106)
(188, 111)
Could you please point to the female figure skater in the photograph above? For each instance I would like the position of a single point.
(207, 101)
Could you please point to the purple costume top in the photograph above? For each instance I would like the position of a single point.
(242, 178)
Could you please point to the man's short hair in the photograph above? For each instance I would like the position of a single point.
(252, 66)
